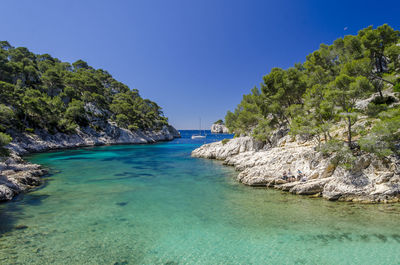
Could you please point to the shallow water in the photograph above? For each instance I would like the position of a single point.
(154, 204)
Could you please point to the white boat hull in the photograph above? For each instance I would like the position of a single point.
(198, 137)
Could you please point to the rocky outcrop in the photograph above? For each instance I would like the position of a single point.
(219, 128)
(221, 151)
(371, 179)
(17, 176)
(42, 141)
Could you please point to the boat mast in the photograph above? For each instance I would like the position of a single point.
(200, 126)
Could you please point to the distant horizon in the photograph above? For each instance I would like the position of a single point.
(193, 58)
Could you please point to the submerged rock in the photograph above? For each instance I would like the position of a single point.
(21, 227)
(371, 180)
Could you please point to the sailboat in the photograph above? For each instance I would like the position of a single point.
(198, 136)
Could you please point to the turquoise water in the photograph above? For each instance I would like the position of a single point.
(154, 204)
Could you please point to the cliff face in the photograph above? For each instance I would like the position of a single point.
(219, 128)
(42, 141)
(17, 176)
(371, 180)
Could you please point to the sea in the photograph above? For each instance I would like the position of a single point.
(155, 204)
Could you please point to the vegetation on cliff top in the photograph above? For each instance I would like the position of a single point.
(40, 91)
(317, 98)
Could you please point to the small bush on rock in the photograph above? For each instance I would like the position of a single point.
(225, 141)
(340, 153)
(5, 139)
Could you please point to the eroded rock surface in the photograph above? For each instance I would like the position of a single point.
(371, 180)
(110, 134)
(219, 128)
(17, 176)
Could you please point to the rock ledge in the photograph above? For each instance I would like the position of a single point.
(371, 181)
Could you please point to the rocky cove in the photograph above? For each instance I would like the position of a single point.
(371, 180)
(17, 175)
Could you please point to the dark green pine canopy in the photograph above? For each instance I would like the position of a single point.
(316, 97)
(39, 91)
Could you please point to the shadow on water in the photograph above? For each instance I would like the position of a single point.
(31, 199)
(123, 176)
(350, 237)
(7, 218)
(77, 158)
(10, 212)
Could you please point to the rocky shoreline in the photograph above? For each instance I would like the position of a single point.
(17, 175)
(371, 180)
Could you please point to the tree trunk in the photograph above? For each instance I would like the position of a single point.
(329, 136)
(319, 142)
(349, 131)
(380, 64)
(380, 93)
(380, 78)
(287, 120)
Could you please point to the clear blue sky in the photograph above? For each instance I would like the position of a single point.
(194, 58)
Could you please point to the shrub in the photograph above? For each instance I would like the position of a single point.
(374, 109)
(67, 126)
(372, 144)
(225, 141)
(396, 87)
(5, 139)
(122, 120)
(340, 153)
(384, 100)
(133, 127)
(76, 113)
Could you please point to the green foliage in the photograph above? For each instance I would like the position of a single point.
(372, 144)
(225, 141)
(75, 113)
(341, 154)
(247, 114)
(396, 88)
(5, 139)
(373, 109)
(313, 97)
(67, 126)
(39, 91)
(263, 131)
(387, 100)
(7, 117)
(378, 105)
(384, 135)
(221, 122)
(126, 107)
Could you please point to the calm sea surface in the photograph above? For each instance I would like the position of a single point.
(154, 204)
